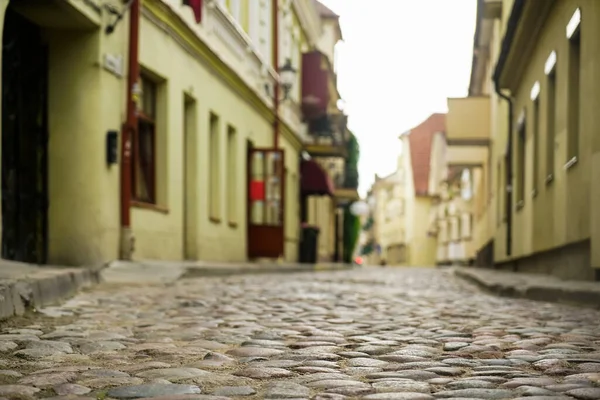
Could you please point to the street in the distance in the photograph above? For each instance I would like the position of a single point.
(370, 333)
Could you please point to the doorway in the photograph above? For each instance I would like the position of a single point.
(190, 179)
(266, 202)
(24, 141)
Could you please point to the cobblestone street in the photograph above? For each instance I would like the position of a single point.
(370, 333)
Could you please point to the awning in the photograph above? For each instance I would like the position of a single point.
(314, 180)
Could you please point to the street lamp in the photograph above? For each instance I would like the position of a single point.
(359, 208)
(287, 76)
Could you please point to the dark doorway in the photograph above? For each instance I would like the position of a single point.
(24, 141)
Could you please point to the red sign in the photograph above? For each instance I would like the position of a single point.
(257, 190)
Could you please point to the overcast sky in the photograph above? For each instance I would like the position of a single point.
(400, 61)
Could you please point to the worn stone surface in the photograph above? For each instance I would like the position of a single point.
(372, 334)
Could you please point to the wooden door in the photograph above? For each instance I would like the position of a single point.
(266, 203)
(24, 141)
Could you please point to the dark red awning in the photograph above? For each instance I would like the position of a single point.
(314, 180)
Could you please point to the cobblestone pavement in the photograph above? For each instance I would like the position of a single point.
(369, 334)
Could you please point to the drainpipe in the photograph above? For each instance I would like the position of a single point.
(511, 28)
(509, 169)
(129, 129)
(275, 16)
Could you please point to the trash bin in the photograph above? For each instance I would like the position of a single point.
(309, 244)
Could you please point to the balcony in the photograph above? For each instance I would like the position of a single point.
(327, 136)
(492, 9)
(468, 121)
(316, 81)
(345, 186)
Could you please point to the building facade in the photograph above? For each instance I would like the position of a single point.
(210, 169)
(404, 200)
(534, 199)
(329, 141)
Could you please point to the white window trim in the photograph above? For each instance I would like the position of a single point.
(574, 24)
(535, 91)
(550, 65)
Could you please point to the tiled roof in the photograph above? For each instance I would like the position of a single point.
(420, 140)
(324, 11)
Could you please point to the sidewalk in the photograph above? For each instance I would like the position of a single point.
(25, 286)
(533, 286)
(170, 271)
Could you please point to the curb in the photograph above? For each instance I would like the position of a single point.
(42, 288)
(207, 271)
(539, 288)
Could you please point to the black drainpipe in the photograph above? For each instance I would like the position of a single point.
(509, 171)
(511, 28)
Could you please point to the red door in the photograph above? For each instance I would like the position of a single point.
(266, 203)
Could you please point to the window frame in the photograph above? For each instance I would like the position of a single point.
(143, 118)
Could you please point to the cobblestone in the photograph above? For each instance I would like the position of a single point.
(363, 334)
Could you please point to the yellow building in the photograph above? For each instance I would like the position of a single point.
(531, 96)
(215, 164)
(403, 201)
(327, 140)
(389, 219)
(546, 65)
(463, 220)
(451, 218)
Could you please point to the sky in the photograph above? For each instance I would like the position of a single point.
(399, 62)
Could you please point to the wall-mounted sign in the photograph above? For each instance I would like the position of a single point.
(113, 63)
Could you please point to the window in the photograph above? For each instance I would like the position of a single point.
(521, 141)
(550, 125)
(214, 169)
(232, 173)
(144, 146)
(535, 143)
(574, 80)
(466, 188)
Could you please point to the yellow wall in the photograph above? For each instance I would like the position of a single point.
(422, 248)
(321, 213)
(567, 198)
(468, 118)
(160, 235)
(572, 193)
(86, 101)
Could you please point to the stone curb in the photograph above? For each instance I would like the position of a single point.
(540, 288)
(42, 288)
(207, 271)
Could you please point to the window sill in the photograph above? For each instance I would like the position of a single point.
(215, 220)
(571, 163)
(232, 224)
(149, 206)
